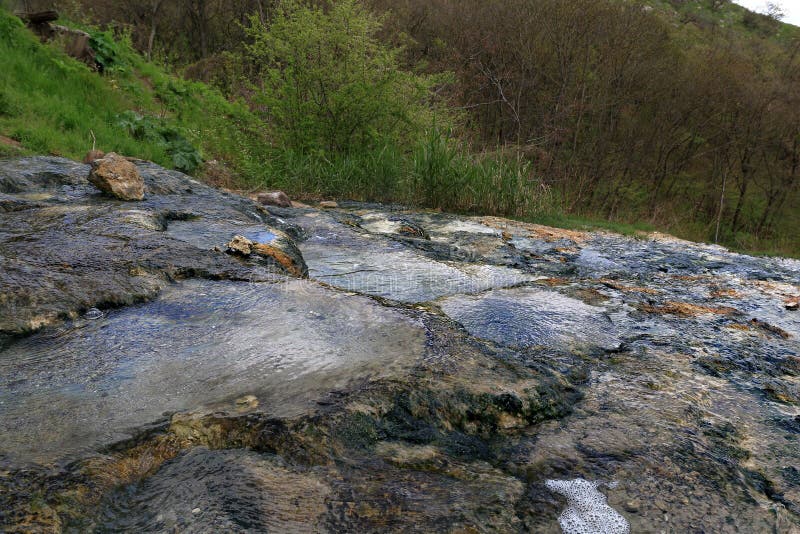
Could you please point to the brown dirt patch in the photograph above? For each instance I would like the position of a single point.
(552, 282)
(538, 231)
(9, 142)
(686, 309)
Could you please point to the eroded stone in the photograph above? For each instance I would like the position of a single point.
(115, 175)
(275, 198)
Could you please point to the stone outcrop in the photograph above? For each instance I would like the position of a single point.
(278, 249)
(118, 177)
(240, 245)
(433, 374)
(275, 198)
(75, 42)
(65, 249)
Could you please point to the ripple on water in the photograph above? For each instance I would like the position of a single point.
(201, 343)
(390, 270)
(220, 491)
(531, 317)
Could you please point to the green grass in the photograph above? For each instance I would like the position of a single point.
(437, 173)
(52, 104)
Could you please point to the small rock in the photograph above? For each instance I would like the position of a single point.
(274, 198)
(631, 506)
(248, 401)
(328, 204)
(92, 314)
(116, 176)
(792, 304)
(93, 155)
(241, 245)
(411, 229)
(285, 254)
(196, 511)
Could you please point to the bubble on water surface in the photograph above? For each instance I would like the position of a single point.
(587, 511)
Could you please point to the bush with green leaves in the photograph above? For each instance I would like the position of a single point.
(107, 51)
(185, 157)
(329, 84)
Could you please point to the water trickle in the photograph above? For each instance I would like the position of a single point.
(208, 234)
(260, 236)
(531, 317)
(372, 268)
(220, 491)
(201, 343)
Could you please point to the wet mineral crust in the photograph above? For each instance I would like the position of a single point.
(197, 362)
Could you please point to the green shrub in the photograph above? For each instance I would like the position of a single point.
(185, 157)
(7, 106)
(328, 83)
(9, 26)
(107, 51)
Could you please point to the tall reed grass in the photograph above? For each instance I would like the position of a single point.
(437, 173)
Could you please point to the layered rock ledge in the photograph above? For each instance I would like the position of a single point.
(195, 361)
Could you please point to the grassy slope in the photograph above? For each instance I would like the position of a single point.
(50, 103)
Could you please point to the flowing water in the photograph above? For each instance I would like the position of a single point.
(436, 373)
(200, 344)
(531, 317)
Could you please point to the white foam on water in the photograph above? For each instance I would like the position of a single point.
(587, 511)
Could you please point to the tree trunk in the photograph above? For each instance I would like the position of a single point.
(153, 26)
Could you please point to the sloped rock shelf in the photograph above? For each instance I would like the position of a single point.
(200, 343)
(432, 374)
(530, 317)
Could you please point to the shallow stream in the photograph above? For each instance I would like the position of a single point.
(433, 373)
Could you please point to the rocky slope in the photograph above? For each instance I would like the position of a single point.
(430, 374)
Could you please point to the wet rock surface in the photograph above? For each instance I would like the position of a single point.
(431, 374)
(65, 247)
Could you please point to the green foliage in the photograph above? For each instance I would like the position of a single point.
(447, 176)
(328, 83)
(642, 135)
(437, 172)
(107, 50)
(139, 126)
(185, 157)
(7, 106)
(9, 26)
(52, 104)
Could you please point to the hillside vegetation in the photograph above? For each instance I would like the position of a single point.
(673, 114)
